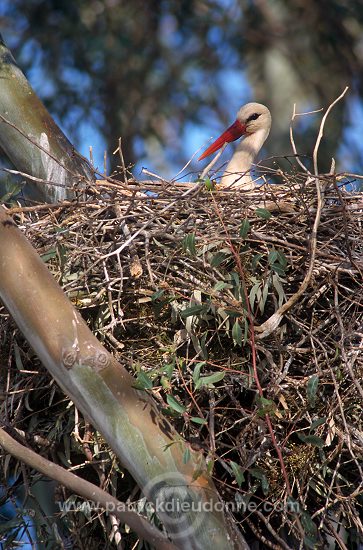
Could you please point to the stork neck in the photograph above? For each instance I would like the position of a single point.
(248, 148)
(238, 168)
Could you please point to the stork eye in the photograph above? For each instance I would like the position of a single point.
(253, 117)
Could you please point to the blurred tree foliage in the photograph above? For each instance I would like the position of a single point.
(150, 71)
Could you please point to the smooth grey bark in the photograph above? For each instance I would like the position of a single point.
(32, 141)
(164, 465)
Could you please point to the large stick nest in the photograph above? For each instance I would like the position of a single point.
(183, 285)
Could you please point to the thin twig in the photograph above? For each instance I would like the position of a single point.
(86, 490)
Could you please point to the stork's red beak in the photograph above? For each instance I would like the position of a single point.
(231, 134)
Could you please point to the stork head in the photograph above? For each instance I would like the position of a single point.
(251, 118)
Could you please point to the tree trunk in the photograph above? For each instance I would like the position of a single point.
(171, 474)
(32, 141)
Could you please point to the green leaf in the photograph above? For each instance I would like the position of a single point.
(218, 259)
(168, 369)
(49, 255)
(186, 456)
(278, 269)
(293, 505)
(272, 256)
(244, 229)
(158, 294)
(254, 292)
(311, 530)
(276, 283)
(211, 379)
(260, 474)
(256, 260)
(175, 405)
(237, 333)
(311, 440)
(208, 184)
(203, 346)
(196, 372)
(318, 422)
(233, 312)
(198, 420)
(236, 284)
(18, 361)
(234, 278)
(189, 244)
(277, 261)
(221, 285)
(245, 335)
(11, 188)
(282, 259)
(263, 298)
(310, 543)
(238, 472)
(210, 466)
(263, 213)
(265, 406)
(194, 310)
(312, 389)
(143, 381)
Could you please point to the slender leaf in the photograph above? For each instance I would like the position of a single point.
(49, 255)
(263, 213)
(312, 389)
(282, 259)
(277, 268)
(272, 257)
(186, 456)
(237, 333)
(276, 282)
(253, 293)
(260, 474)
(198, 420)
(175, 405)
(189, 244)
(233, 312)
(318, 422)
(210, 380)
(143, 381)
(256, 260)
(158, 294)
(203, 346)
(196, 373)
(221, 285)
(311, 440)
(263, 300)
(18, 361)
(245, 334)
(218, 259)
(311, 531)
(194, 310)
(244, 229)
(238, 472)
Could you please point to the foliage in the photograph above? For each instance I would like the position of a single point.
(212, 272)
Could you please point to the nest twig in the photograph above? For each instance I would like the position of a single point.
(243, 312)
(309, 364)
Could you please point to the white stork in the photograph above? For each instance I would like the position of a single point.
(253, 124)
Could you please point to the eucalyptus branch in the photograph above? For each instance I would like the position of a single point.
(87, 490)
